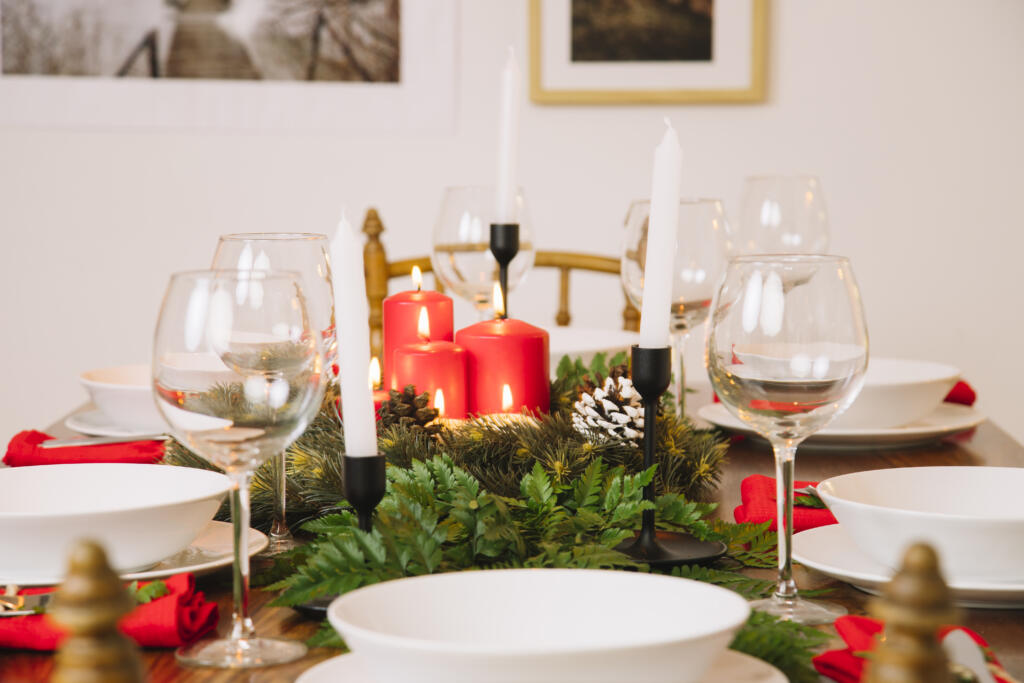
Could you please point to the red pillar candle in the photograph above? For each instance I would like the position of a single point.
(400, 316)
(431, 366)
(379, 395)
(502, 353)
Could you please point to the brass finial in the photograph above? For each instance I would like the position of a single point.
(89, 604)
(371, 223)
(914, 605)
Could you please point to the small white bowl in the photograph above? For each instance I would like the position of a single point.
(972, 516)
(140, 513)
(897, 392)
(124, 394)
(528, 625)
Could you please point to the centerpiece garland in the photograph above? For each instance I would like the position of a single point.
(497, 493)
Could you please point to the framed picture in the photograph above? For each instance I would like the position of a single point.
(333, 65)
(647, 51)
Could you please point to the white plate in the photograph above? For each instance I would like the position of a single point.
(947, 419)
(211, 550)
(831, 551)
(731, 667)
(96, 423)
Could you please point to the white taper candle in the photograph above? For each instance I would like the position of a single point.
(508, 142)
(353, 315)
(661, 241)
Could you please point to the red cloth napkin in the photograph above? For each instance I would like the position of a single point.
(24, 450)
(757, 493)
(178, 618)
(847, 665)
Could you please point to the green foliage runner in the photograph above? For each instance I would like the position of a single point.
(487, 494)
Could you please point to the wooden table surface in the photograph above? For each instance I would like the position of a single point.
(987, 445)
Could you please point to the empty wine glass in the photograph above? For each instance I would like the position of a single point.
(306, 254)
(786, 362)
(701, 255)
(237, 376)
(782, 215)
(461, 254)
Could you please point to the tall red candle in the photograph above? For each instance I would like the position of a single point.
(400, 316)
(506, 352)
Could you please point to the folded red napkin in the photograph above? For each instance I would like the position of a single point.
(847, 665)
(178, 618)
(24, 450)
(757, 493)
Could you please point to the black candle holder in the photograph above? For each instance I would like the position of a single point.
(364, 486)
(652, 373)
(504, 246)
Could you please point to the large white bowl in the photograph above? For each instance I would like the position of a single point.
(125, 395)
(140, 513)
(972, 516)
(529, 625)
(897, 392)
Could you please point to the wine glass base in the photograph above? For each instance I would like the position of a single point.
(799, 610)
(279, 544)
(245, 653)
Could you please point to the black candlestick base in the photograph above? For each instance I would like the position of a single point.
(364, 486)
(504, 247)
(652, 372)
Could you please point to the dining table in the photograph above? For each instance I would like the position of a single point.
(985, 445)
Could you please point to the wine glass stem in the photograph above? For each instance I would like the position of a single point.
(785, 456)
(279, 529)
(241, 626)
(678, 340)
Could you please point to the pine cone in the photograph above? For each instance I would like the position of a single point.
(611, 407)
(409, 410)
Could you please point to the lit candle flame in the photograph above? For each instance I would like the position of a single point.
(439, 402)
(423, 325)
(506, 399)
(417, 278)
(374, 374)
(499, 301)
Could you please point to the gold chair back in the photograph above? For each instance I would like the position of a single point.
(379, 271)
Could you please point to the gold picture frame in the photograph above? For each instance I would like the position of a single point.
(754, 91)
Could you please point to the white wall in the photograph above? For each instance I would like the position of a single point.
(910, 111)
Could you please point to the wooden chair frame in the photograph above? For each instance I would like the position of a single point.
(379, 271)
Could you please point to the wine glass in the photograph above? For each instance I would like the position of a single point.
(701, 255)
(306, 254)
(786, 362)
(237, 375)
(461, 254)
(782, 215)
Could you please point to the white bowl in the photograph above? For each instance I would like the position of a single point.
(528, 625)
(897, 392)
(125, 395)
(972, 516)
(140, 513)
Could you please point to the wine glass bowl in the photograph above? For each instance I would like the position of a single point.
(237, 375)
(787, 350)
(460, 254)
(702, 239)
(782, 215)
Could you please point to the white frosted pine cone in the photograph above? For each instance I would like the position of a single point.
(613, 408)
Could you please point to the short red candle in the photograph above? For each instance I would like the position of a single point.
(430, 366)
(400, 315)
(501, 352)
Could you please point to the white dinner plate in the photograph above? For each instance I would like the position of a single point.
(96, 423)
(947, 419)
(831, 551)
(731, 667)
(211, 550)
